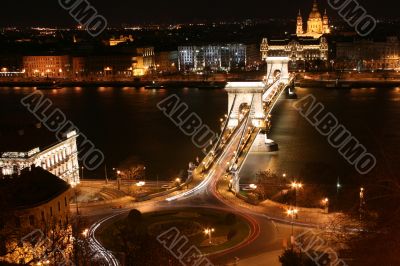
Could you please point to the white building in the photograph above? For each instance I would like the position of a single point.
(212, 57)
(38, 147)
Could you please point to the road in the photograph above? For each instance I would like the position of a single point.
(266, 237)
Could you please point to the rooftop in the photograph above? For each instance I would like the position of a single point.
(301, 40)
(33, 187)
(26, 138)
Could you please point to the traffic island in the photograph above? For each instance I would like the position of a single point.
(209, 230)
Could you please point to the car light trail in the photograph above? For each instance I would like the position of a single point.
(95, 245)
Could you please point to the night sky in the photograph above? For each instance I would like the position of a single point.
(117, 12)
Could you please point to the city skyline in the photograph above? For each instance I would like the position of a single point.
(207, 133)
(49, 13)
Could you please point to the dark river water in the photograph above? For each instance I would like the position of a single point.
(125, 123)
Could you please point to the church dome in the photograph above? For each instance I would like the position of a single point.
(315, 14)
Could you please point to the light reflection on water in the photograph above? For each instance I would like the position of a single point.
(370, 114)
(125, 123)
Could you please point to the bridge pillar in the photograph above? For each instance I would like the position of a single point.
(242, 95)
(234, 185)
(275, 66)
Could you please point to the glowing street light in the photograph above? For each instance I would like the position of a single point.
(338, 185)
(292, 213)
(362, 201)
(209, 231)
(325, 203)
(296, 185)
(85, 232)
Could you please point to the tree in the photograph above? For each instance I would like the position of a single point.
(83, 253)
(309, 196)
(134, 217)
(379, 242)
(269, 184)
(30, 245)
(132, 168)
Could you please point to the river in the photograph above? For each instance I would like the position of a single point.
(125, 123)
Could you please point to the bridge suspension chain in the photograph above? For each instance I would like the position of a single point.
(225, 126)
(244, 130)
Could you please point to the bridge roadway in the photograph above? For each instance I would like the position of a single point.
(266, 236)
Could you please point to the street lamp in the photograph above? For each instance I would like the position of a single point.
(338, 185)
(178, 182)
(209, 231)
(362, 202)
(296, 185)
(292, 212)
(325, 203)
(85, 232)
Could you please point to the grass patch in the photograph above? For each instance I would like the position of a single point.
(229, 229)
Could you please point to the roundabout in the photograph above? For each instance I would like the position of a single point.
(212, 231)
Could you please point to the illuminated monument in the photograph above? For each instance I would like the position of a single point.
(305, 49)
(317, 25)
(40, 147)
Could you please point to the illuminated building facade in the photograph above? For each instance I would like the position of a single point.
(52, 66)
(167, 61)
(103, 65)
(144, 61)
(302, 52)
(317, 25)
(122, 39)
(39, 147)
(112, 64)
(212, 57)
(43, 211)
(368, 55)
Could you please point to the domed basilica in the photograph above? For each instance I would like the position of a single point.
(317, 25)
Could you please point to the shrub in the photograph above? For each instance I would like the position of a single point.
(134, 216)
